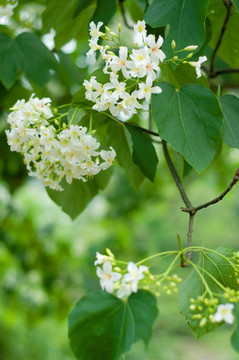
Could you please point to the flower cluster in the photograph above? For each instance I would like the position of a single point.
(123, 282)
(131, 73)
(121, 94)
(51, 154)
(209, 310)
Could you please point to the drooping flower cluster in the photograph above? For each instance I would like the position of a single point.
(124, 283)
(50, 154)
(131, 73)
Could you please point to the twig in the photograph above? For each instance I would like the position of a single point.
(121, 6)
(228, 5)
(223, 71)
(175, 176)
(194, 210)
(190, 234)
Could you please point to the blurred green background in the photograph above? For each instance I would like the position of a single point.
(46, 260)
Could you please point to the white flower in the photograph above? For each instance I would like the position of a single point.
(224, 313)
(145, 90)
(124, 291)
(108, 157)
(156, 53)
(134, 275)
(120, 62)
(198, 64)
(99, 259)
(107, 277)
(94, 29)
(130, 101)
(140, 32)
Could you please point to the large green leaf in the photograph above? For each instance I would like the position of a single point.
(103, 327)
(190, 119)
(229, 47)
(25, 54)
(77, 195)
(61, 16)
(193, 286)
(235, 335)
(230, 130)
(144, 154)
(182, 75)
(185, 17)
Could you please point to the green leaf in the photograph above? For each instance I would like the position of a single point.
(230, 129)
(235, 335)
(104, 11)
(182, 75)
(144, 154)
(185, 17)
(82, 4)
(190, 119)
(229, 47)
(25, 54)
(69, 71)
(192, 287)
(113, 134)
(103, 327)
(236, 4)
(61, 16)
(76, 196)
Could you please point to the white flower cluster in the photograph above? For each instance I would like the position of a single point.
(6, 10)
(111, 280)
(119, 95)
(50, 154)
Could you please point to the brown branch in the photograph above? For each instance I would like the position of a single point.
(194, 210)
(175, 176)
(190, 234)
(228, 5)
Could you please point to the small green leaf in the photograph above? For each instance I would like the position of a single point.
(230, 129)
(144, 154)
(104, 327)
(186, 19)
(77, 195)
(218, 267)
(235, 335)
(190, 119)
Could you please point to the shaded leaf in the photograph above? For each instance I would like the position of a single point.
(144, 154)
(103, 327)
(104, 11)
(230, 129)
(25, 54)
(76, 196)
(229, 47)
(190, 119)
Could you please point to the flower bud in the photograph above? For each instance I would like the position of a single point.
(119, 27)
(189, 55)
(203, 322)
(190, 48)
(173, 44)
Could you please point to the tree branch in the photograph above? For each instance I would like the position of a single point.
(175, 176)
(194, 210)
(223, 71)
(228, 5)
